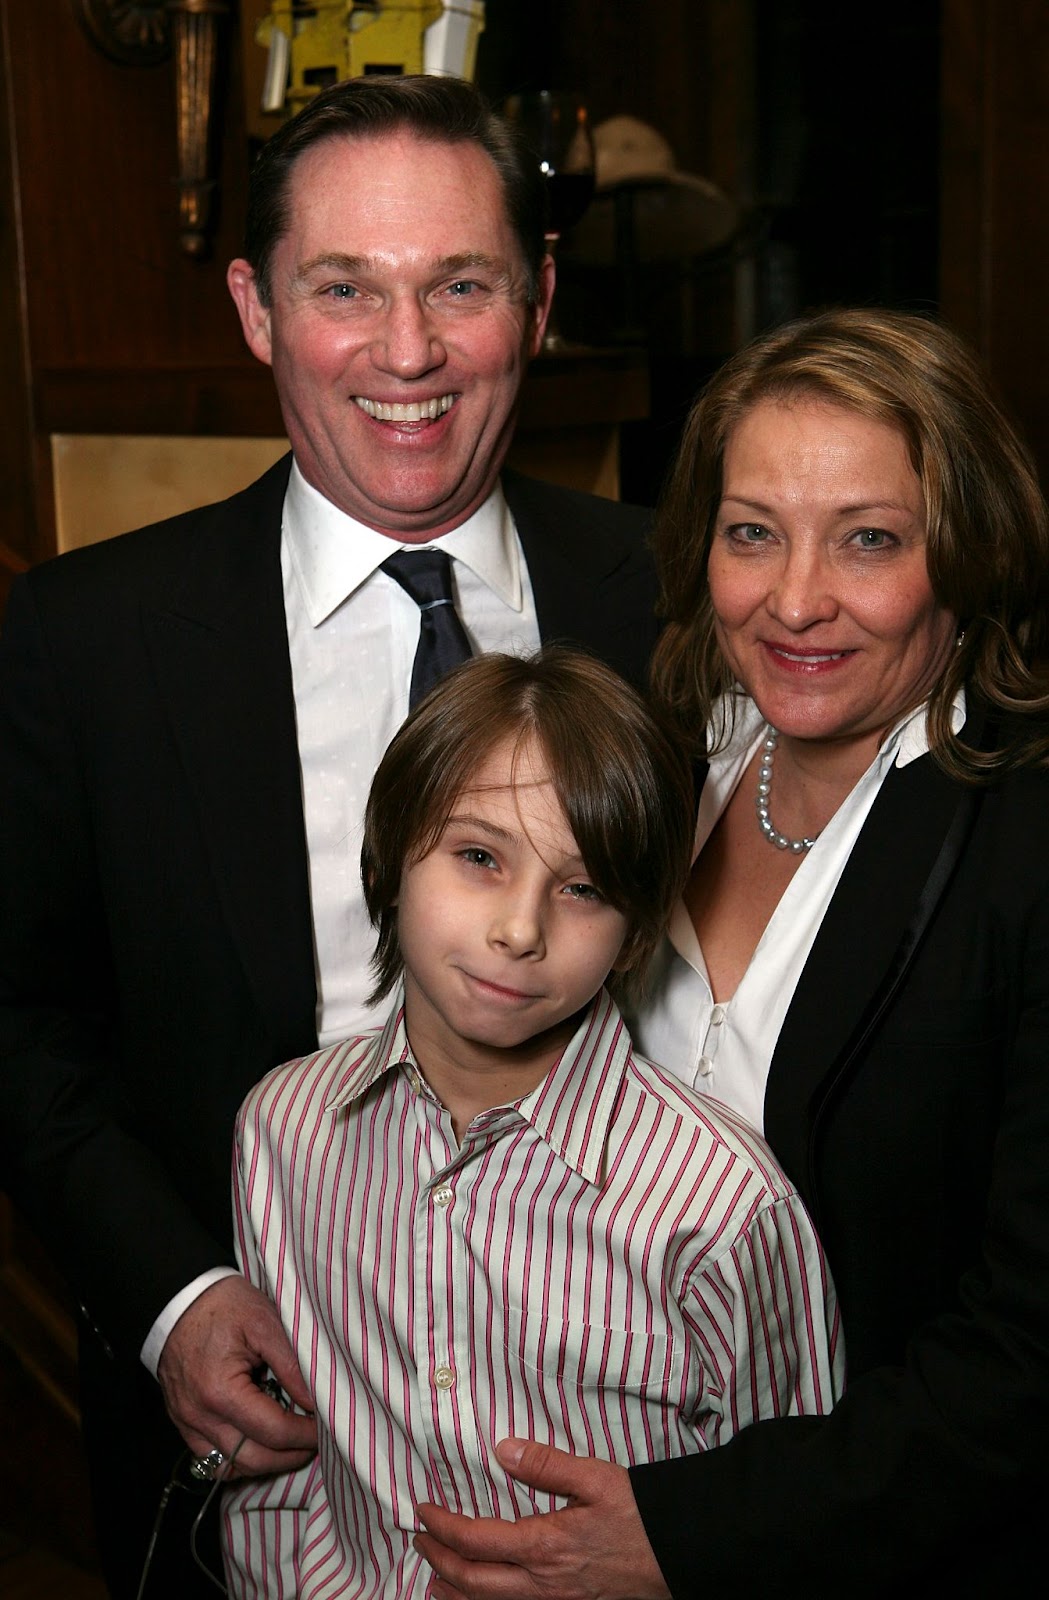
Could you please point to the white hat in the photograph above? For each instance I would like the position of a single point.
(676, 214)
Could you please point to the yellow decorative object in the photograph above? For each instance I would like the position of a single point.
(329, 40)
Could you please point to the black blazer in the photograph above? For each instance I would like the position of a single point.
(156, 953)
(908, 1096)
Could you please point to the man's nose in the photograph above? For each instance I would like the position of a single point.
(409, 342)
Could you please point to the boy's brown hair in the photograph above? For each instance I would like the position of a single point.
(626, 790)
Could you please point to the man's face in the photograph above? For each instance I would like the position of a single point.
(398, 329)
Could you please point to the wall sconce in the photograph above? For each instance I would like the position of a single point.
(143, 34)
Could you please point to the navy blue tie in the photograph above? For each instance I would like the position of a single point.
(426, 575)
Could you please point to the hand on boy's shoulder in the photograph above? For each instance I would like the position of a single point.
(207, 1371)
(596, 1549)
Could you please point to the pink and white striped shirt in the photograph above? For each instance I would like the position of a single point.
(614, 1265)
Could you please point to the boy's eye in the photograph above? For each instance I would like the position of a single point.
(474, 856)
(583, 891)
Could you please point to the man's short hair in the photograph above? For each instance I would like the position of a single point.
(442, 110)
(626, 790)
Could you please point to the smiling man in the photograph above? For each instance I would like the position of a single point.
(190, 718)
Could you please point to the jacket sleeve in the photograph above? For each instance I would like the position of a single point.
(101, 1202)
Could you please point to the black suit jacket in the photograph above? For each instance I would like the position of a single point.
(908, 1096)
(155, 944)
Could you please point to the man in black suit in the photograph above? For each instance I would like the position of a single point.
(189, 719)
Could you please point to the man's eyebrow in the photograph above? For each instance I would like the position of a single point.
(333, 261)
(440, 266)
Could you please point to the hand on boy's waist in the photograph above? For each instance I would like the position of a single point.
(208, 1372)
(596, 1549)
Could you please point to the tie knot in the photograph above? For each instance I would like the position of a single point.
(426, 575)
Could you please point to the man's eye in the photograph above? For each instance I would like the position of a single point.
(341, 291)
(462, 288)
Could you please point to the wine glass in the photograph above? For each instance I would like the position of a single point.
(555, 126)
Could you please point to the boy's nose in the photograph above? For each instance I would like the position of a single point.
(518, 928)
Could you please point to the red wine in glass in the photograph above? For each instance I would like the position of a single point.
(568, 195)
(554, 123)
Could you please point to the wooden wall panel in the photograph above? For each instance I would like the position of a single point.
(995, 223)
(18, 529)
(109, 284)
(105, 323)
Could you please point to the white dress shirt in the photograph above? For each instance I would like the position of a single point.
(352, 633)
(611, 1265)
(725, 1048)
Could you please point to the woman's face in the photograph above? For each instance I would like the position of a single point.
(818, 575)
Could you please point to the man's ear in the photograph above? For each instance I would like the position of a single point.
(254, 316)
(544, 300)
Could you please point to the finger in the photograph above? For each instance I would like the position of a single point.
(542, 1466)
(439, 1590)
(265, 1421)
(280, 1359)
(477, 1539)
(472, 1580)
(252, 1461)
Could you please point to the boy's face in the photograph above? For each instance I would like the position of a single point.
(504, 937)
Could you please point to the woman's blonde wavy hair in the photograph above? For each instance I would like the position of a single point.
(987, 522)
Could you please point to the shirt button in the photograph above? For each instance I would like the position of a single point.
(415, 1080)
(706, 1066)
(442, 1195)
(717, 1016)
(444, 1377)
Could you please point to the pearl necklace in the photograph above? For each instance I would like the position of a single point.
(765, 822)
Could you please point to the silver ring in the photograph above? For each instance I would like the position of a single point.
(206, 1468)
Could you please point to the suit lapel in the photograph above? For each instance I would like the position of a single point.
(593, 585)
(220, 655)
(898, 870)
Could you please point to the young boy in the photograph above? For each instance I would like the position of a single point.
(491, 1218)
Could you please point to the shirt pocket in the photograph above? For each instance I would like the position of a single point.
(608, 1392)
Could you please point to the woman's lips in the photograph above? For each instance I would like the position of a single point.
(807, 661)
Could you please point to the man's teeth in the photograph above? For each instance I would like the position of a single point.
(416, 411)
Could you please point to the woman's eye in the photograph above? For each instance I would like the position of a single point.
(748, 533)
(873, 538)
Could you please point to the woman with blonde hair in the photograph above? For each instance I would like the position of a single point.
(854, 556)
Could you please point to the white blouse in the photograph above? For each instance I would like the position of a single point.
(725, 1049)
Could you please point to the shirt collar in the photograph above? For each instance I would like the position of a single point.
(571, 1110)
(332, 554)
(388, 1048)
